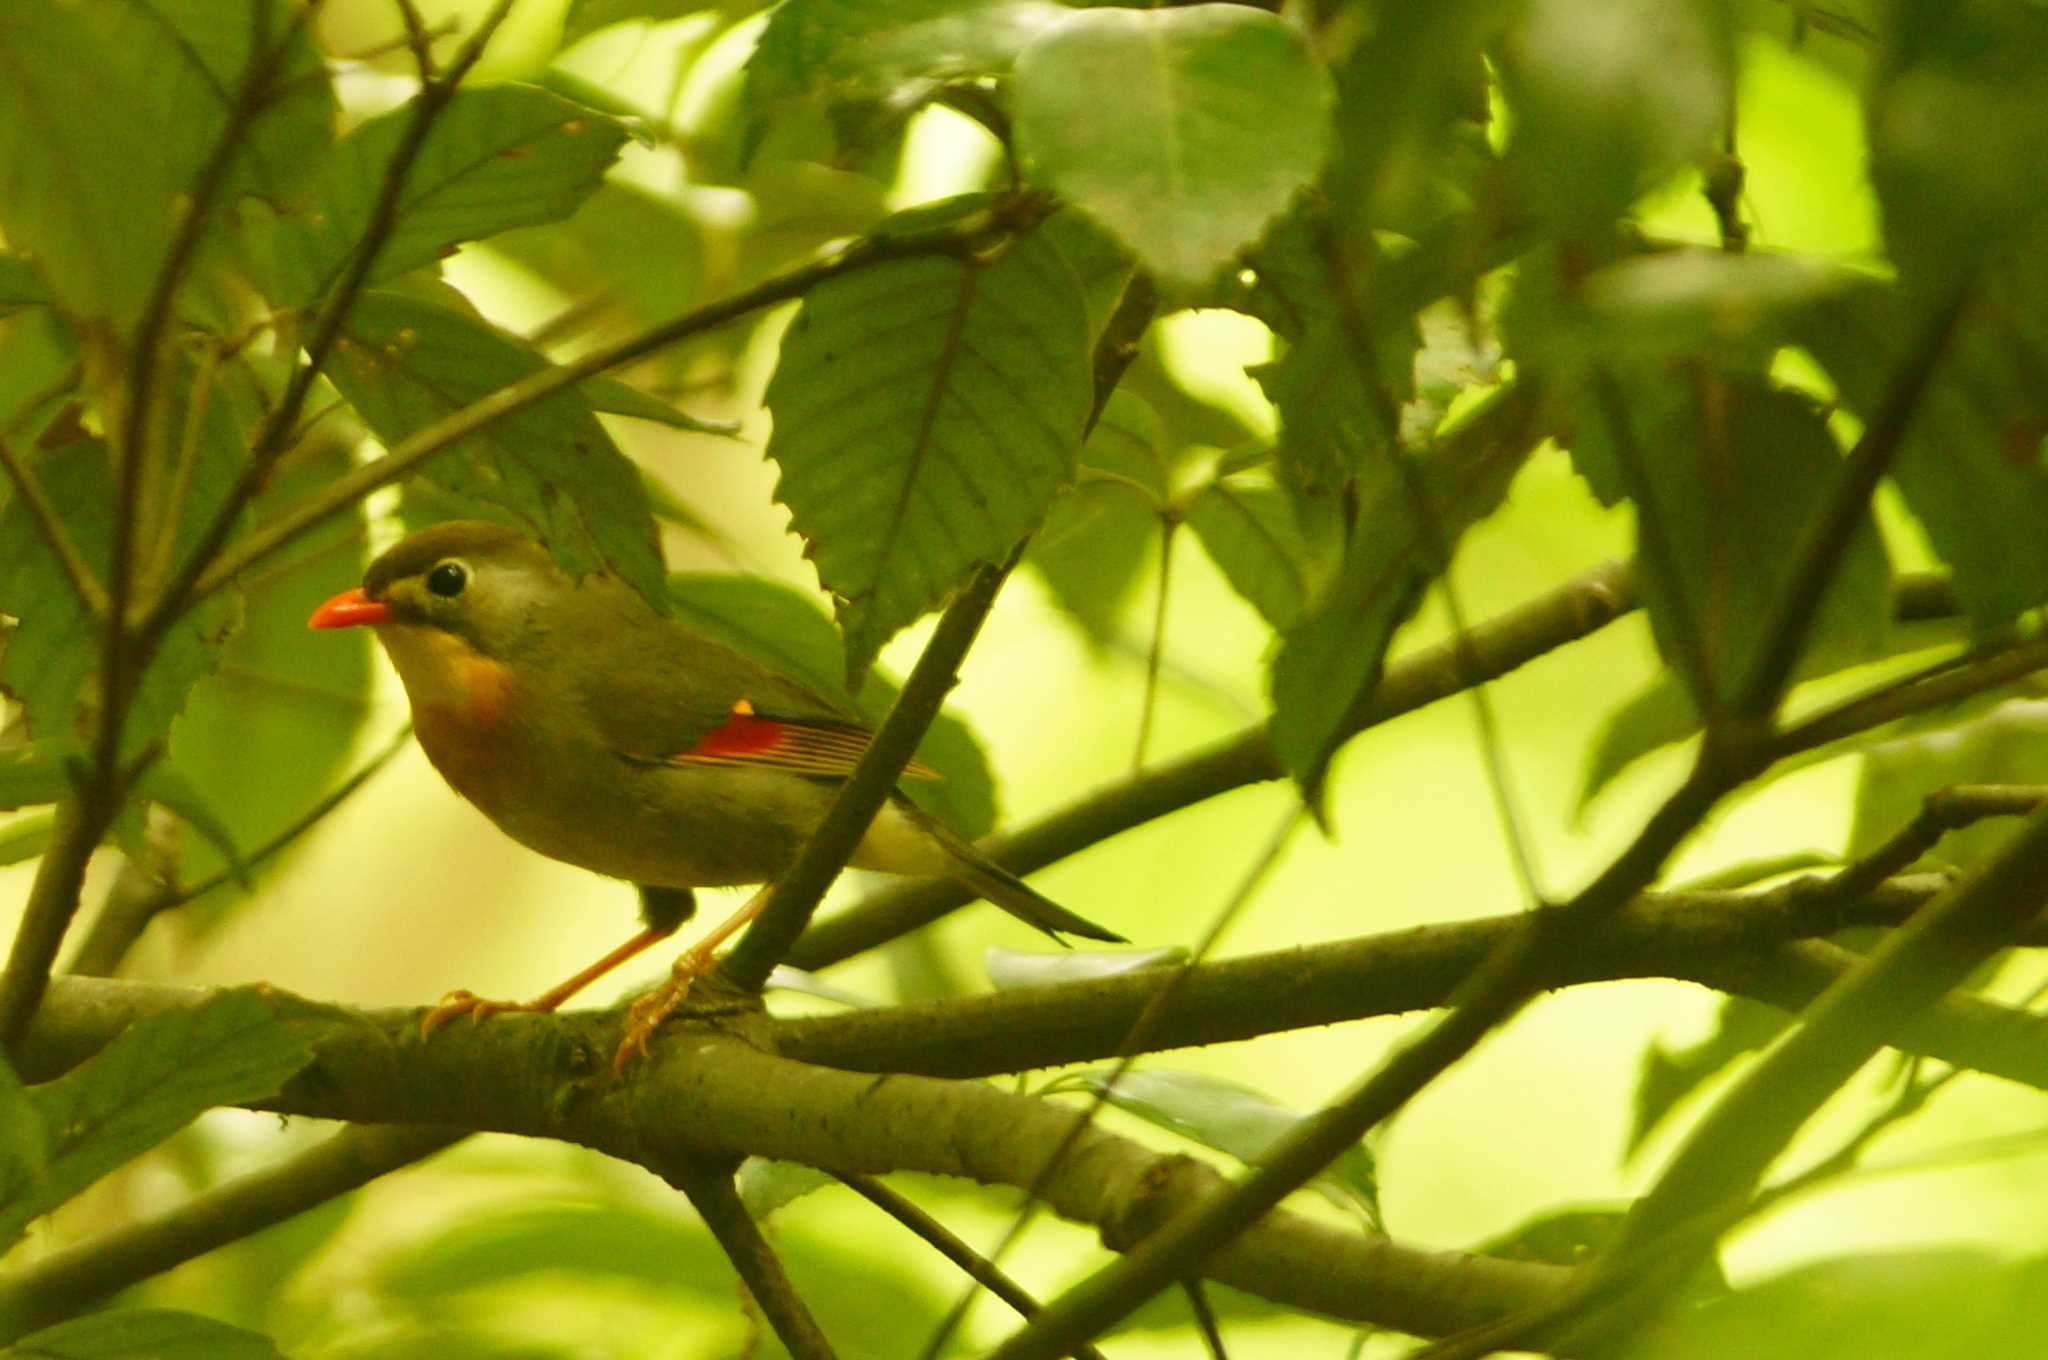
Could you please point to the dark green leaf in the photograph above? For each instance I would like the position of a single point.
(1331, 660)
(549, 468)
(1184, 130)
(1740, 471)
(1669, 1075)
(112, 110)
(39, 372)
(786, 631)
(136, 1333)
(38, 772)
(1100, 533)
(611, 397)
(158, 1075)
(1609, 96)
(926, 411)
(895, 50)
(2008, 745)
(1970, 467)
(1959, 133)
(1233, 1119)
(497, 157)
(638, 251)
(1252, 533)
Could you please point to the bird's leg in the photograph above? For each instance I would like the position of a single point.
(476, 1007)
(658, 1005)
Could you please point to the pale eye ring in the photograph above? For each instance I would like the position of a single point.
(447, 579)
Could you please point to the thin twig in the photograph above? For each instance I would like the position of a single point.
(715, 1199)
(948, 1244)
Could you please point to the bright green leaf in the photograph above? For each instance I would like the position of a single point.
(548, 467)
(1184, 130)
(496, 157)
(891, 49)
(926, 411)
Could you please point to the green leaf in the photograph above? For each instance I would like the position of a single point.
(549, 468)
(1252, 533)
(1233, 1119)
(21, 284)
(1668, 1075)
(1099, 534)
(24, 838)
(497, 157)
(132, 1333)
(164, 783)
(638, 251)
(1185, 131)
(1741, 470)
(926, 411)
(1569, 1237)
(156, 1076)
(609, 396)
(1331, 660)
(786, 631)
(586, 17)
(2008, 745)
(1970, 466)
(1623, 92)
(766, 1185)
(1959, 133)
(898, 50)
(38, 772)
(1009, 969)
(113, 109)
(299, 699)
(39, 372)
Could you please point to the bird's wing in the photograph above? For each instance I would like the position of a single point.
(688, 700)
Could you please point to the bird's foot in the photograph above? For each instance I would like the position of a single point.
(647, 1014)
(462, 1002)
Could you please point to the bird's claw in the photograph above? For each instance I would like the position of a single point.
(464, 1002)
(649, 1013)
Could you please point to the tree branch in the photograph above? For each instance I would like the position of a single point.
(711, 1193)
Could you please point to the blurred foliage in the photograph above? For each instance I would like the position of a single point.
(1467, 236)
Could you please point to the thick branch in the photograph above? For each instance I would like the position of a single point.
(714, 1095)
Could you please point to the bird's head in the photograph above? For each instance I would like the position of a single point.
(453, 605)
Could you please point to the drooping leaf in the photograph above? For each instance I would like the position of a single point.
(1970, 467)
(1184, 130)
(497, 157)
(1233, 1119)
(113, 109)
(786, 631)
(1252, 533)
(131, 1333)
(1669, 1074)
(549, 468)
(158, 1075)
(608, 396)
(926, 410)
(1740, 471)
(1331, 660)
(1101, 532)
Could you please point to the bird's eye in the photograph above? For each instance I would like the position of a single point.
(448, 579)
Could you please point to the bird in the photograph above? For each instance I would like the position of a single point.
(600, 732)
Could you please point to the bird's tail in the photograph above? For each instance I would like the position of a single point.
(1012, 893)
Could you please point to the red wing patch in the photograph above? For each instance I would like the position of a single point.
(815, 748)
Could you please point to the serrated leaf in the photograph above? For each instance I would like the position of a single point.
(1184, 130)
(926, 411)
(497, 157)
(1099, 534)
(1332, 658)
(1252, 533)
(112, 110)
(1008, 969)
(786, 631)
(1233, 1119)
(135, 1333)
(548, 467)
(155, 1077)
